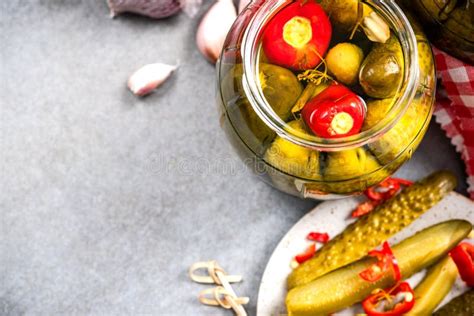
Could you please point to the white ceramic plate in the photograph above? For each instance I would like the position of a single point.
(332, 217)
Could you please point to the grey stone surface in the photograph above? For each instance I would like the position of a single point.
(107, 199)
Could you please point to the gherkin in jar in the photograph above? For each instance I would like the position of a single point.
(293, 159)
(377, 109)
(382, 70)
(405, 135)
(280, 87)
(350, 170)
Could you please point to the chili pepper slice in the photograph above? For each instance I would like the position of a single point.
(463, 256)
(308, 254)
(318, 237)
(335, 112)
(387, 251)
(364, 208)
(374, 272)
(383, 191)
(385, 261)
(391, 302)
(298, 36)
(390, 187)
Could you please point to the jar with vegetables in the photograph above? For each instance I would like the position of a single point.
(325, 98)
(449, 24)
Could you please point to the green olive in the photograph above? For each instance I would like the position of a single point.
(382, 70)
(343, 62)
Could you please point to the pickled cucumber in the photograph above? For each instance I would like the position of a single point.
(382, 70)
(425, 55)
(371, 230)
(344, 13)
(280, 87)
(394, 142)
(344, 287)
(377, 109)
(293, 159)
(348, 164)
(462, 305)
(404, 134)
(434, 287)
(350, 171)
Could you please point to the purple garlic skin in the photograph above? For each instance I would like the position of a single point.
(156, 9)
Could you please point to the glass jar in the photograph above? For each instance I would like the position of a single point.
(305, 165)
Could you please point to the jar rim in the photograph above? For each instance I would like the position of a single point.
(249, 52)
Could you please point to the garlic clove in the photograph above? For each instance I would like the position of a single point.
(375, 28)
(243, 4)
(149, 77)
(214, 27)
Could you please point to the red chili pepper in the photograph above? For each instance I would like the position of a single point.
(463, 256)
(364, 208)
(390, 298)
(380, 193)
(298, 36)
(308, 254)
(383, 191)
(385, 261)
(374, 272)
(335, 112)
(319, 237)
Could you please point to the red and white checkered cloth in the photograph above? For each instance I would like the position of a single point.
(455, 107)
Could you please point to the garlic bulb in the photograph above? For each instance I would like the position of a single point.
(243, 4)
(154, 8)
(149, 77)
(214, 27)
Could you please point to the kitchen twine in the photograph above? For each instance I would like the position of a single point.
(222, 295)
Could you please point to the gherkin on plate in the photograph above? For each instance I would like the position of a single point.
(372, 229)
(436, 284)
(463, 305)
(344, 287)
